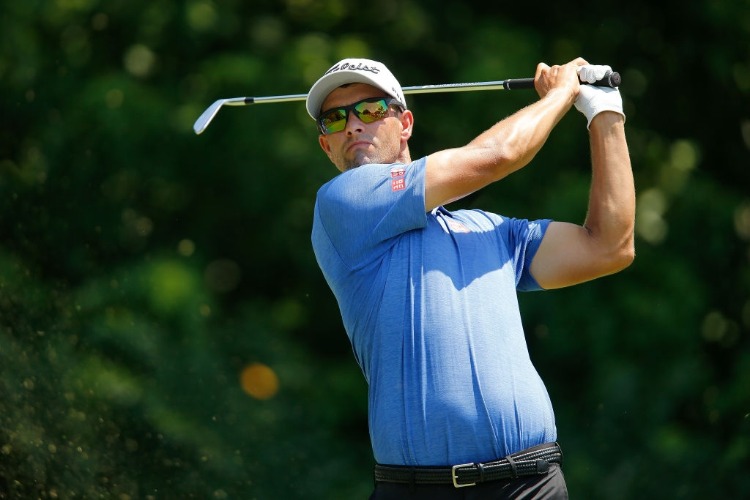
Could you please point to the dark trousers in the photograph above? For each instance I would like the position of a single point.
(550, 486)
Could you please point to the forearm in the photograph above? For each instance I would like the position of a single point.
(505, 147)
(611, 210)
(499, 151)
(513, 142)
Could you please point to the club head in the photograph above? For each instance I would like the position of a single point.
(205, 118)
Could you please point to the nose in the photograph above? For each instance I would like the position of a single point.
(353, 124)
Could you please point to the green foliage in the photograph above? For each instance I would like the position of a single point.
(143, 269)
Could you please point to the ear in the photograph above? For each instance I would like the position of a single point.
(407, 124)
(323, 141)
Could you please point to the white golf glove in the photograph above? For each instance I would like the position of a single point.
(593, 100)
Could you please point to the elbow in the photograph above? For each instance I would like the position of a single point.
(623, 257)
(503, 160)
(626, 259)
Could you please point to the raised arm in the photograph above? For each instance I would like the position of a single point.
(571, 254)
(604, 244)
(508, 145)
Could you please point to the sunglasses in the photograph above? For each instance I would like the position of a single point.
(367, 110)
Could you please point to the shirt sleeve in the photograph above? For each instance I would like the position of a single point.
(363, 208)
(525, 238)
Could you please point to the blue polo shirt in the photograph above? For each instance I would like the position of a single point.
(429, 302)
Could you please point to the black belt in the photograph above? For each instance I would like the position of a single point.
(529, 462)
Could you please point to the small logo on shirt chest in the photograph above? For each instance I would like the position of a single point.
(456, 226)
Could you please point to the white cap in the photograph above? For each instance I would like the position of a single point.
(353, 71)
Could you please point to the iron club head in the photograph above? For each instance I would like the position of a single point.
(205, 118)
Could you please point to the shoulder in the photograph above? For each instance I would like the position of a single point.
(381, 180)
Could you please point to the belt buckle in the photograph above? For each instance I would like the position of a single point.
(454, 475)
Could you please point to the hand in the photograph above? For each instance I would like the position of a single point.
(558, 77)
(593, 100)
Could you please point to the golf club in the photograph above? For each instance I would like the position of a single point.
(611, 79)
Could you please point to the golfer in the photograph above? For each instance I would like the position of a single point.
(428, 296)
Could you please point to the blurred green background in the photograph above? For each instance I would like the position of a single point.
(165, 331)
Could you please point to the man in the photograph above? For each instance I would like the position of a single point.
(428, 295)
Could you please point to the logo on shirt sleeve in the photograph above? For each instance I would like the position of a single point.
(398, 178)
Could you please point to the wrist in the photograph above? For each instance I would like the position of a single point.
(563, 95)
(606, 119)
(606, 125)
(593, 101)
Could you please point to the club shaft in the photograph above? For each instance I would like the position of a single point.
(419, 89)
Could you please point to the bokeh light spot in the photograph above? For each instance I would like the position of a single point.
(714, 326)
(201, 16)
(172, 286)
(186, 248)
(745, 131)
(259, 381)
(684, 155)
(139, 60)
(650, 224)
(742, 220)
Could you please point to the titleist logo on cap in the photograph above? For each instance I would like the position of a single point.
(353, 67)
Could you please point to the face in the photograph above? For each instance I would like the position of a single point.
(359, 143)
